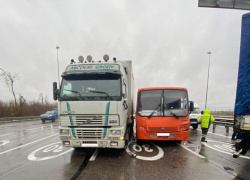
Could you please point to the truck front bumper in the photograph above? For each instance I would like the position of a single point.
(173, 136)
(92, 143)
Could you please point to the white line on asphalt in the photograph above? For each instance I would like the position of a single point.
(226, 152)
(216, 134)
(28, 144)
(92, 158)
(200, 156)
(4, 135)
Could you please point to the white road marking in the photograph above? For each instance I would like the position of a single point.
(32, 156)
(27, 144)
(205, 144)
(41, 127)
(200, 156)
(4, 142)
(153, 158)
(4, 135)
(92, 158)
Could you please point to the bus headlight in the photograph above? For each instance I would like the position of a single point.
(115, 132)
(64, 131)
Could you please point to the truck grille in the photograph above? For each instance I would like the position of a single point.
(163, 129)
(89, 133)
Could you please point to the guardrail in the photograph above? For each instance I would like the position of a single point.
(223, 122)
(25, 118)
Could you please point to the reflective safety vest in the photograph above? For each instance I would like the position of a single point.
(206, 120)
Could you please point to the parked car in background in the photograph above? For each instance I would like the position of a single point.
(194, 116)
(49, 115)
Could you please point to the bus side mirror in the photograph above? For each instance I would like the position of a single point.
(191, 106)
(55, 91)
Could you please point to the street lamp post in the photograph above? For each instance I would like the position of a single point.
(57, 48)
(209, 53)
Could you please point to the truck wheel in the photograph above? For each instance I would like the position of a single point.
(43, 121)
(195, 126)
(53, 120)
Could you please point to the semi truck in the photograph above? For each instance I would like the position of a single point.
(163, 114)
(242, 102)
(95, 103)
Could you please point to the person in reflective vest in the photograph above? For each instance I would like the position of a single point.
(206, 120)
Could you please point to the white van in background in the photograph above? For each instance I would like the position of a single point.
(194, 116)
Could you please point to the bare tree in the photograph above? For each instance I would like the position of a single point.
(9, 80)
(41, 98)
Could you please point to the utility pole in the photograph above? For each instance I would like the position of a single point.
(57, 48)
(209, 53)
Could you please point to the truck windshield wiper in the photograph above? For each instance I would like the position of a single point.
(154, 111)
(101, 92)
(174, 114)
(74, 92)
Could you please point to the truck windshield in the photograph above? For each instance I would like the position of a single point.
(85, 87)
(172, 103)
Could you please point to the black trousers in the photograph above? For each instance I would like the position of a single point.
(204, 134)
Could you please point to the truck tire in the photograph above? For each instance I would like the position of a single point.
(53, 120)
(43, 121)
(195, 126)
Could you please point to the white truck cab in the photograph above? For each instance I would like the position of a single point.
(194, 116)
(95, 103)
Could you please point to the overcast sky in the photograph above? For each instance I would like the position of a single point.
(167, 40)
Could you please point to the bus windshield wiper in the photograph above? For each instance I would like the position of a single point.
(154, 111)
(74, 92)
(174, 114)
(101, 92)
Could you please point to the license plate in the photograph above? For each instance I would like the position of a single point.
(89, 145)
(163, 134)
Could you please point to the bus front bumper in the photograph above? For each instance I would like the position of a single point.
(172, 136)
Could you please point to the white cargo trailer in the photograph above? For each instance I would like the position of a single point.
(95, 103)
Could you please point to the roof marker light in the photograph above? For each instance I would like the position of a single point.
(114, 59)
(80, 58)
(72, 61)
(89, 58)
(106, 57)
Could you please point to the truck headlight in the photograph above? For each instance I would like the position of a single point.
(64, 131)
(115, 132)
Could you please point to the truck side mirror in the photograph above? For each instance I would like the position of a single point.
(55, 91)
(191, 106)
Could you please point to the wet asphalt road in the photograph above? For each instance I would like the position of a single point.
(31, 150)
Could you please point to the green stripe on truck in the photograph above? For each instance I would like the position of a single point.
(106, 119)
(71, 120)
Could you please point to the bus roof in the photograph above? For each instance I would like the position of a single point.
(155, 88)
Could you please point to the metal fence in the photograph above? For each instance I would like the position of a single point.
(25, 118)
(224, 121)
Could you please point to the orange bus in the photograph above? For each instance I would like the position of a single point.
(163, 114)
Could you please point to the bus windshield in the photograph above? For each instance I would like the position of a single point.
(91, 87)
(161, 103)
